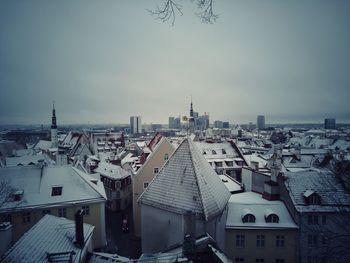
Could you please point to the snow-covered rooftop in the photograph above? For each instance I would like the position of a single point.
(253, 203)
(333, 195)
(28, 159)
(37, 183)
(50, 235)
(111, 171)
(231, 184)
(187, 182)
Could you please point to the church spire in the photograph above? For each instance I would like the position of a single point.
(53, 124)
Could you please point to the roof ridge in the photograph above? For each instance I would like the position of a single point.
(195, 174)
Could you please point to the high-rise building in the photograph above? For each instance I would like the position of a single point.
(329, 123)
(174, 123)
(260, 122)
(225, 125)
(135, 125)
(218, 124)
(54, 136)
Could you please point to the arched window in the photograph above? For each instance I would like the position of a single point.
(272, 218)
(248, 218)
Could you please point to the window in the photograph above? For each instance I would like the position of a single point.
(86, 210)
(324, 220)
(260, 240)
(239, 259)
(7, 218)
(240, 240)
(56, 190)
(117, 184)
(314, 199)
(213, 152)
(260, 260)
(248, 218)
(312, 240)
(323, 239)
(166, 157)
(279, 241)
(117, 194)
(312, 219)
(223, 151)
(26, 217)
(272, 218)
(145, 185)
(47, 211)
(62, 212)
(279, 260)
(155, 170)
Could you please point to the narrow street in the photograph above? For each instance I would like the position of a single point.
(122, 243)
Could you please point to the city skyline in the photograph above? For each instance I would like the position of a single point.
(104, 62)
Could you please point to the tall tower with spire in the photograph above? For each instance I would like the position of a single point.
(54, 137)
(191, 119)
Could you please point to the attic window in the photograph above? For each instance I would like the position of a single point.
(17, 195)
(311, 197)
(272, 218)
(248, 218)
(213, 151)
(56, 190)
(223, 151)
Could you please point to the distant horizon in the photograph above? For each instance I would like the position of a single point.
(108, 60)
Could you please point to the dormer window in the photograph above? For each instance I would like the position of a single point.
(56, 190)
(272, 218)
(248, 218)
(17, 195)
(312, 198)
(213, 151)
(223, 151)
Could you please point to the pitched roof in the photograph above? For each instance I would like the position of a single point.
(253, 203)
(50, 235)
(304, 183)
(112, 171)
(187, 182)
(36, 184)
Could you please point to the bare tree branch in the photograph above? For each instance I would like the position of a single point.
(206, 13)
(168, 12)
(172, 7)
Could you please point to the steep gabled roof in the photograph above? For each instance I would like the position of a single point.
(50, 235)
(187, 182)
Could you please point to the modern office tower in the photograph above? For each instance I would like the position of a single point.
(329, 123)
(135, 125)
(260, 122)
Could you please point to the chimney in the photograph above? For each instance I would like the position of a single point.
(188, 246)
(254, 165)
(79, 229)
(5, 237)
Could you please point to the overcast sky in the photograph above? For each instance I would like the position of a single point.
(103, 61)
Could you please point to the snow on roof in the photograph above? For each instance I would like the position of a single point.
(333, 195)
(308, 193)
(28, 159)
(217, 150)
(37, 184)
(129, 158)
(99, 257)
(50, 235)
(43, 145)
(231, 184)
(253, 203)
(187, 182)
(111, 171)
